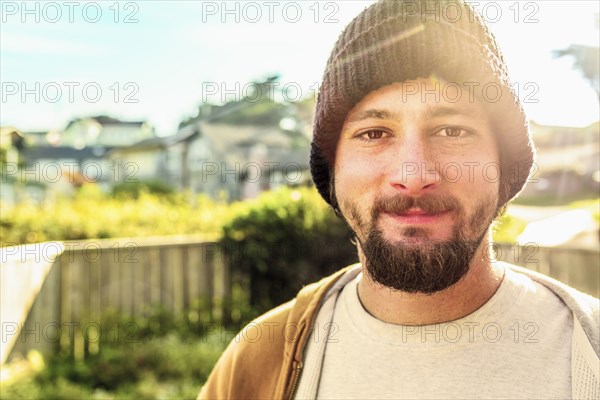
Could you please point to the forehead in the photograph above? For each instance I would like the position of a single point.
(429, 96)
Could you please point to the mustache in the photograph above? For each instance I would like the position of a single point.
(399, 204)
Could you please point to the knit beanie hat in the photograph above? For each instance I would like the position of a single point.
(397, 40)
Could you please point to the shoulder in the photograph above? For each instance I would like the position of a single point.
(256, 349)
(584, 307)
(251, 365)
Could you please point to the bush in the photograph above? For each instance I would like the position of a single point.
(507, 227)
(134, 189)
(92, 214)
(282, 241)
(591, 205)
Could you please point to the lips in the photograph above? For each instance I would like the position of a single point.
(416, 211)
(418, 216)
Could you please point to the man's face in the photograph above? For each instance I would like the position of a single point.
(417, 179)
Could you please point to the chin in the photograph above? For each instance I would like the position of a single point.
(415, 236)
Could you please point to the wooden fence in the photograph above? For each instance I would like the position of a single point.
(125, 276)
(87, 278)
(579, 268)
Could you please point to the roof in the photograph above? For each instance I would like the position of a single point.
(106, 120)
(232, 144)
(7, 130)
(242, 144)
(158, 142)
(64, 152)
(225, 136)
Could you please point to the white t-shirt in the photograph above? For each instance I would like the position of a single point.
(515, 346)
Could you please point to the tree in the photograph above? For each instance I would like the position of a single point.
(587, 60)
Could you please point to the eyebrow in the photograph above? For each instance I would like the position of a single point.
(371, 114)
(431, 113)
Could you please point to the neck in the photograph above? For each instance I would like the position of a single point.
(461, 299)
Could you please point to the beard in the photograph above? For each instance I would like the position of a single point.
(421, 266)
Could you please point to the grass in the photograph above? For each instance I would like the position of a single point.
(592, 205)
(554, 200)
(156, 368)
(169, 357)
(507, 228)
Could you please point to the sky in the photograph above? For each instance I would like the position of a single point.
(158, 61)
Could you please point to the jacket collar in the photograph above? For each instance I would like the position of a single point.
(302, 316)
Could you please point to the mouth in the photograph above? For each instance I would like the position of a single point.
(417, 216)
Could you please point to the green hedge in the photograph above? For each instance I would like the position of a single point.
(282, 241)
(92, 214)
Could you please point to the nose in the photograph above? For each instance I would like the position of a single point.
(414, 171)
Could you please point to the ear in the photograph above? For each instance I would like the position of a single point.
(332, 196)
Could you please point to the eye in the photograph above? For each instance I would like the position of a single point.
(373, 134)
(453, 131)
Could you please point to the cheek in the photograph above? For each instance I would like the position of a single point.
(490, 170)
(474, 168)
(355, 188)
(356, 176)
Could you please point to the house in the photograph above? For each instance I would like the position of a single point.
(567, 161)
(105, 131)
(11, 146)
(62, 168)
(160, 158)
(37, 138)
(57, 162)
(219, 160)
(235, 150)
(240, 161)
(248, 146)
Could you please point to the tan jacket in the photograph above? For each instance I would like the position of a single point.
(267, 366)
(264, 361)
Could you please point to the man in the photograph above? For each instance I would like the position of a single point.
(417, 153)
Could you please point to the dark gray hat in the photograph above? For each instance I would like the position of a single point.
(397, 40)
